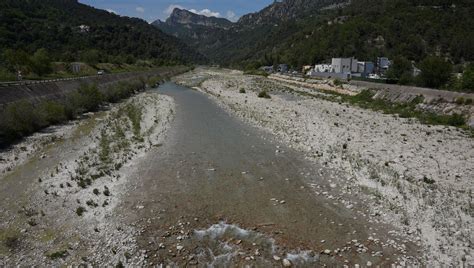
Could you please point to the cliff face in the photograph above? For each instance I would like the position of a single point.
(184, 18)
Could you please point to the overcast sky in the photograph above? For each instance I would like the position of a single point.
(151, 10)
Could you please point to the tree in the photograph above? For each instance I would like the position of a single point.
(91, 56)
(468, 78)
(401, 70)
(16, 59)
(41, 62)
(435, 72)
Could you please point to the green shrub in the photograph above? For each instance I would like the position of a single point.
(264, 94)
(154, 81)
(11, 241)
(134, 113)
(5, 75)
(106, 191)
(242, 90)
(90, 97)
(122, 90)
(53, 112)
(456, 120)
(20, 119)
(338, 82)
(58, 254)
(80, 211)
(86, 98)
(92, 204)
(460, 100)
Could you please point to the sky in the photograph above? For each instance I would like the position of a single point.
(150, 10)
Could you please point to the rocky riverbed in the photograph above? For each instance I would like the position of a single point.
(416, 177)
(62, 188)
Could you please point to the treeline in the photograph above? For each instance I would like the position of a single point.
(434, 72)
(23, 118)
(70, 31)
(18, 60)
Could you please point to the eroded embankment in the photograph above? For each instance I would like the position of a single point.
(416, 176)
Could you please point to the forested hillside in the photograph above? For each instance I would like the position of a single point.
(413, 29)
(301, 32)
(67, 31)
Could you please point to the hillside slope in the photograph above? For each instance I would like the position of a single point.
(67, 28)
(302, 32)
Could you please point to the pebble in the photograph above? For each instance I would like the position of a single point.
(276, 258)
(286, 263)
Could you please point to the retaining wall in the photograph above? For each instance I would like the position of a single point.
(57, 89)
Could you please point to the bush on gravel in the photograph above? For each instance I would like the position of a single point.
(264, 94)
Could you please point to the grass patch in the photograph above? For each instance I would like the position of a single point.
(134, 113)
(104, 145)
(256, 72)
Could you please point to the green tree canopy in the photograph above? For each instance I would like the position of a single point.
(91, 56)
(468, 78)
(401, 69)
(435, 72)
(41, 62)
(16, 60)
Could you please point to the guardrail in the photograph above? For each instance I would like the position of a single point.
(33, 82)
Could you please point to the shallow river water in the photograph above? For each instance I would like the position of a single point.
(220, 192)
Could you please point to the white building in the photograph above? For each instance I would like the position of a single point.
(323, 68)
(344, 65)
(383, 64)
(84, 28)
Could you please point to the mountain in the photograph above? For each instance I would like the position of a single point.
(200, 32)
(182, 17)
(68, 30)
(287, 10)
(301, 32)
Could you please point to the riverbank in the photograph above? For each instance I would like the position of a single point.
(61, 190)
(415, 176)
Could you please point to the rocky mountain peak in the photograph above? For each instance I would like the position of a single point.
(186, 17)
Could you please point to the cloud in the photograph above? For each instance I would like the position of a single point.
(206, 12)
(231, 16)
(140, 9)
(170, 9)
(111, 11)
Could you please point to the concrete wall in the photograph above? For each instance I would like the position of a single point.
(405, 93)
(57, 89)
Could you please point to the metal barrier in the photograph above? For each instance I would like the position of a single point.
(33, 82)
